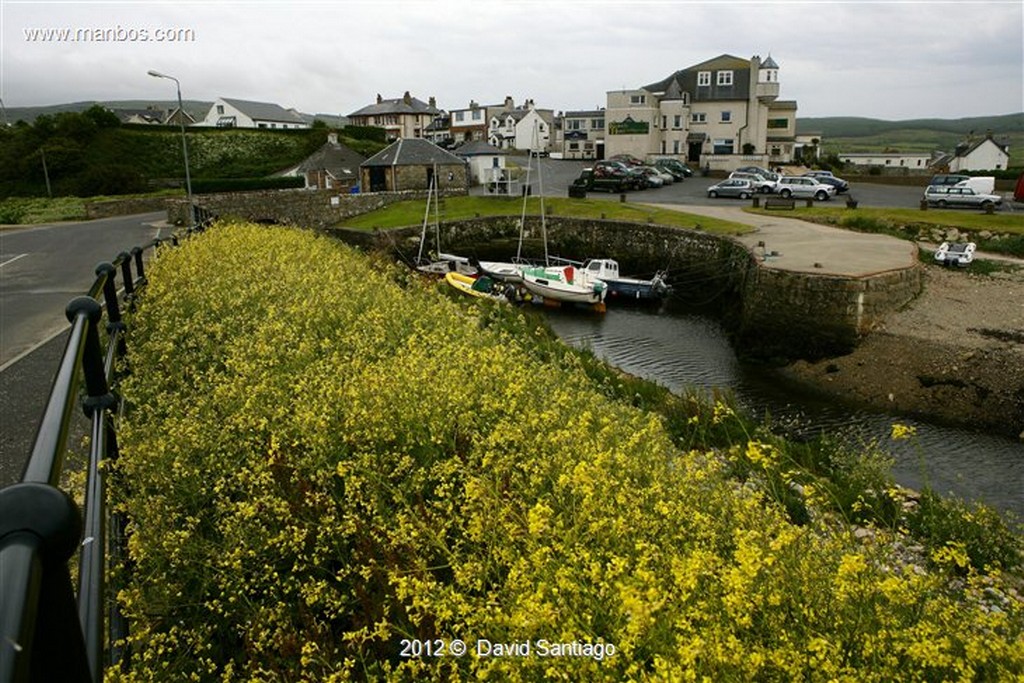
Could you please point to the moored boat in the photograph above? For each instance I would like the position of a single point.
(626, 288)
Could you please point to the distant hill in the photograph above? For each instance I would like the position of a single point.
(855, 126)
(849, 134)
(196, 108)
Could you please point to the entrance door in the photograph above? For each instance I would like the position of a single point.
(378, 179)
(693, 152)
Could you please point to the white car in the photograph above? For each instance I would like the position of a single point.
(802, 186)
(763, 184)
(960, 195)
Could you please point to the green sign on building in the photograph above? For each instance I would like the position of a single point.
(628, 127)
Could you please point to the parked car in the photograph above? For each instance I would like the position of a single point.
(663, 174)
(733, 187)
(770, 175)
(948, 179)
(838, 183)
(677, 168)
(763, 185)
(652, 175)
(948, 195)
(632, 179)
(589, 181)
(799, 186)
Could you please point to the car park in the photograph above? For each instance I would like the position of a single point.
(733, 187)
(800, 186)
(963, 196)
(763, 184)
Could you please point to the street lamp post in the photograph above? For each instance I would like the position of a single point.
(184, 147)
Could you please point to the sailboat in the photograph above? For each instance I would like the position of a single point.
(441, 262)
(557, 284)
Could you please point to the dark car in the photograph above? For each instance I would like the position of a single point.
(948, 179)
(678, 169)
(829, 179)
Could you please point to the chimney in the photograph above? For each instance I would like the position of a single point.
(433, 102)
(379, 98)
(509, 102)
(407, 98)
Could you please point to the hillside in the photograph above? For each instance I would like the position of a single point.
(845, 134)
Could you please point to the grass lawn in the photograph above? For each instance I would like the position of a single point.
(35, 210)
(408, 213)
(1000, 221)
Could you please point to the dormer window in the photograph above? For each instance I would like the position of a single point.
(637, 99)
(725, 78)
(703, 78)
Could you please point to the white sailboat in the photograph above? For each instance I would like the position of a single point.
(439, 262)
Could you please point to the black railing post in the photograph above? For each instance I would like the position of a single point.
(126, 273)
(40, 640)
(137, 253)
(114, 322)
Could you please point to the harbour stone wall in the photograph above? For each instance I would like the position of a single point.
(775, 314)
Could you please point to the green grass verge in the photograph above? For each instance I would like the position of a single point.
(33, 210)
(408, 213)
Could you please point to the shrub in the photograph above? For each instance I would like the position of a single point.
(323, 457)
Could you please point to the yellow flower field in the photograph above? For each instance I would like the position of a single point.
(334, 472)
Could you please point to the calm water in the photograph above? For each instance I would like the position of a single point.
(682, 350)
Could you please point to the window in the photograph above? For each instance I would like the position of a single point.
(220, 108)
(724, 78)
(698, 117)
(596, 124)
(572, 124)
(703, 78)
(677, 121)
(675, 146)
(459, 115)
(664, 122)
(574, 146)
(637, 99)
(476, 115)
(726, 116)
(723, 146)
(778, 123)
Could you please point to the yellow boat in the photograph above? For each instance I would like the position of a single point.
(482, 287)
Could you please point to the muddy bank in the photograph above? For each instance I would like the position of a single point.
(956, 354)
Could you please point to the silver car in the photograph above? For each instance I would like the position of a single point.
(955, 195)
(801, 186)
(763, 184)
(733, 187)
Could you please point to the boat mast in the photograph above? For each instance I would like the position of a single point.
(522, 218)
(426, 218)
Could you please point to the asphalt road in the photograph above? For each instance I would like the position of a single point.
(41, 269)
(557, 174)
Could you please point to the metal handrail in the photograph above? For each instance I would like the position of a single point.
(45, 633)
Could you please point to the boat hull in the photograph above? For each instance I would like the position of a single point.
(557, 290)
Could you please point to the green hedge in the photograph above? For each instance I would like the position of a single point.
(325, 459)
(211, 185)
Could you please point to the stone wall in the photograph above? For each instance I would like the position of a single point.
(773, 313)
(787, 314)
(308, 208)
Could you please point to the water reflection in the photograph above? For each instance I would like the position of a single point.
(684, 350)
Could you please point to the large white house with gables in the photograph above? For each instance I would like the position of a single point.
(232, 113)
(720, 114)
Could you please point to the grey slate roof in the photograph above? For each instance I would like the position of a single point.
(340, 160)
(769, 63)
(478, 148)
(398, 105)
(685, 80)
(413, 152)
(264, 111)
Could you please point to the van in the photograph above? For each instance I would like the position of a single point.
(948, 179)
(980, 184)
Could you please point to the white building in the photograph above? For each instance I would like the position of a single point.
(232, 113)
(911, 161)
(722, 114)
(486, 162)
(982, 155)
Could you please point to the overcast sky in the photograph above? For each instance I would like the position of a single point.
(888, 60)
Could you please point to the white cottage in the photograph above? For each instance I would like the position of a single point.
(232, 113)
(982, 155)
(486, 162)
